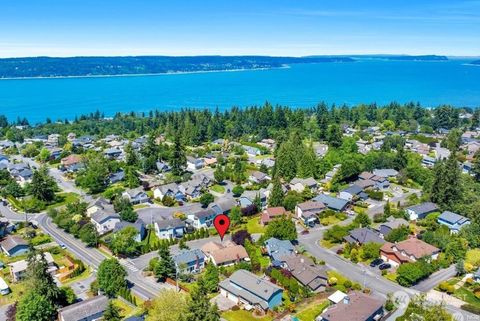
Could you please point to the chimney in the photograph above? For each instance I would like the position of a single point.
(346, 300)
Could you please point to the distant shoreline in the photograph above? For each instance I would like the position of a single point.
(148, 74)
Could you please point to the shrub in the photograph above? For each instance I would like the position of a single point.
(471, 308)
(347, 284)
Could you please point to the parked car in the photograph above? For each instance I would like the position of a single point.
(385, 266)
(376, 262)
(304, 232)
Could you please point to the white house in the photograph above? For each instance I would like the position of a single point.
(169, 228)
(194, 163)
(105, 222)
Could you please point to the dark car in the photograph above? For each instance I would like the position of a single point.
(385, 266)
(376, 262)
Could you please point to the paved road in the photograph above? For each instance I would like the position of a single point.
(436, 278)
(141, 285)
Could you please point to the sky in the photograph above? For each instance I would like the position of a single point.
(242, 27)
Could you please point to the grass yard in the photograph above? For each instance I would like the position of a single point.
(327, 244)
(242, 315)
(312, 310)
(218, 189)
(466, 295)
(329, 220)
(63, 199)
(254, 226)
(139, 206)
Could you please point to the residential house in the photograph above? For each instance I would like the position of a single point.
(55, 153)
(6, 227)
(376, 181)
(89, 310)
(14, 245)
(223, 206)
(202, 218)
(307, 273)
(271, 213)
(4, 159)
(21, 173)
(71, 163)
(476, 275)
(455, 222)
(299, 184)
(356, 306)
(169, 228)
(279, 250)
(308, 211)
(252, 151)
(4, 288)
(386, 172)
(116, 177)
(171, 190)
(257, 177)
(189, 261)
(209, 160)
(267, 143)
(363, 235)
(104, 221)
(421, 211)
(112, 153)
(352, 193)
(194, 163)
(320, 150)
(392, 223)
(410, 250)
(267, 162)
(139, 225)
(245, 288)
(428, 161)
(162, 167)
(100, 205)
(136, 196)
(251, 195)
(18, 269)
(333, 203)
(5, 144)
(225, 254)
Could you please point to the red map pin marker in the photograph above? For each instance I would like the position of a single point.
(221, 223)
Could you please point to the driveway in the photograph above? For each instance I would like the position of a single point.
(81, 287)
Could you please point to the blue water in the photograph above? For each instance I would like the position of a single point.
(430, 83)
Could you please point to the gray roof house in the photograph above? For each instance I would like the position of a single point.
(244, 287)
(14, 245)
(352, 192)
(169, 228)
(421, 211)
(136, 196)
(139, 225)
(279, 250)
(455, 222)
(104, 221)
(392, 223)
(333, 203)
(307, 273)
(190, 261)
(91, 309)
(364, 235)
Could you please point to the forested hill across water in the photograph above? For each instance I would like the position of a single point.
(103, 66)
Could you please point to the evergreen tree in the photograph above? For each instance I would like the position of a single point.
(211, 278)
(43, 186)
(131, 177)
(199, 307)
(276, 194)
(112, 313)
(131, 157)
(165, 267)
(286, 160)
(178, 160)
(34, 306)
(334, 135)
(235, 215)
(111, 277)
(446, 188)
(400, 161)
(40, 281)
(322, 120)
(307, 163)
(476, 166)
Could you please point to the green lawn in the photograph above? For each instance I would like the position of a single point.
(218, 189)
(466, 295)
(242, 315)
(312, 311)
(254, 226)
(63, 199)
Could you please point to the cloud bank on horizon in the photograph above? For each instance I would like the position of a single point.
(248, 27)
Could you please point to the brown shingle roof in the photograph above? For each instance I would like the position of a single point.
(416, 247)
(360, 308)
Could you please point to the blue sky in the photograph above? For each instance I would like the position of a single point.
(276, 27)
